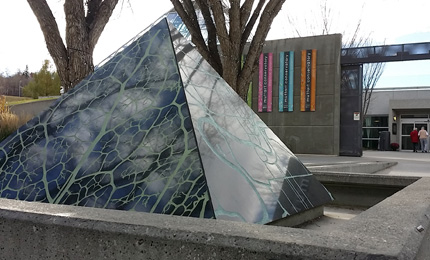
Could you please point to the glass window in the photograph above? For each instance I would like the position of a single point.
(373, 132)
(370, 144)
(407, 129)
(376, 121)
(406, 143)
(414, 116)
(419, 125)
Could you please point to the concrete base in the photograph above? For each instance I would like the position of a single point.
(361, 190)
(33, 108)
(351, 167)
(45, 231)
(299, 218)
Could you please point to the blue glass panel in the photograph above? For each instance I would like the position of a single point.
(120, 139)
(252, 176)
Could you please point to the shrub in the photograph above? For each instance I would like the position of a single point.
(394, 146)
(9, 122)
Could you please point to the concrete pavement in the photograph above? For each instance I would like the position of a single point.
(406, 163)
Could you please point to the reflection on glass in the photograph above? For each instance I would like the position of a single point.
(349, 80)
(121, 139)
(129, 137)
(251, 174)
(407, 129)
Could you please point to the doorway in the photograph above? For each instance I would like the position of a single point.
(407, 127)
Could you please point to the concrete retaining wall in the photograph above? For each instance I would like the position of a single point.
(361, 190)
(32, 108)
(357, 167)
(44, 231)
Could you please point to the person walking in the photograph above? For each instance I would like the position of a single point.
(414, 139)
(423, 135)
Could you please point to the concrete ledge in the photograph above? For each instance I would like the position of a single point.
(365, 179)
(358, 167)
(44, 231)
(299, 218)
(361, 190)
(32, 108)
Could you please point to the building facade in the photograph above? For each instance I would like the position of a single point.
(397, 111)
(305, 131)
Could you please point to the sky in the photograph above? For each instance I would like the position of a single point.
(386, 21)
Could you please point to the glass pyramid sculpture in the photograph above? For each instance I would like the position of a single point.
(155, 129)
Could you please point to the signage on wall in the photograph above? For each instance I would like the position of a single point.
(265, 82)
(308, 80)
(356, 116)
(286, 81)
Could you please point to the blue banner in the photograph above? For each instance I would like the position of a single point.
(286, 81)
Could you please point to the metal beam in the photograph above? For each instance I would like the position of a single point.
(385, 53)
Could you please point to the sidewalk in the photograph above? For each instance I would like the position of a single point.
(408, 163)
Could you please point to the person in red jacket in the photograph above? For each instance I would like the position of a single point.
(414, 139)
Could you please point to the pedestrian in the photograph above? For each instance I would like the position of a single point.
(423, 135)
(414, 139)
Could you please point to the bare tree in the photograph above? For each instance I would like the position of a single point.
(85, 22)
(12, 85)
(371, 72)
(229, 25)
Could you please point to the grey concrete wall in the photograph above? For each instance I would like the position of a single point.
(45, 231)
(32, 108)
(361, 190)
(307, 132)
(384, 100)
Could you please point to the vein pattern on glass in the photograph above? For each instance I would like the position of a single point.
(121, 139)
(252, 176)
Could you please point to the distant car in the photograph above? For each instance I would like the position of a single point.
(61, 90)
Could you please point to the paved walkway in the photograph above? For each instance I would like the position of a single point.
(408, 163)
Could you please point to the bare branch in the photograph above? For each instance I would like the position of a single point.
(245, 12)
(251, 22)
(196, 34)
(49, 27)
(212, 42)
(219, 18)
(269, 13)
(101, 18)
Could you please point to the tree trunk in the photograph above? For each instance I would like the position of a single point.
(226, 57)
(74, 61)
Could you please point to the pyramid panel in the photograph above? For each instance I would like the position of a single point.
(124, 139)
(252, 176)
(121, 139)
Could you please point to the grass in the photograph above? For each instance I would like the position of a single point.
(16, 99)
(13, 100)
(9, 122)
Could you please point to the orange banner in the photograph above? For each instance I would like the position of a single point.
(303, 82)
(308, 80)
(313, 79)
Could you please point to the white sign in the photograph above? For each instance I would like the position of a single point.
(356, 116)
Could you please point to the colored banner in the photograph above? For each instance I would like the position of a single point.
(286, 81)
(308, 80)
(265, 82)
